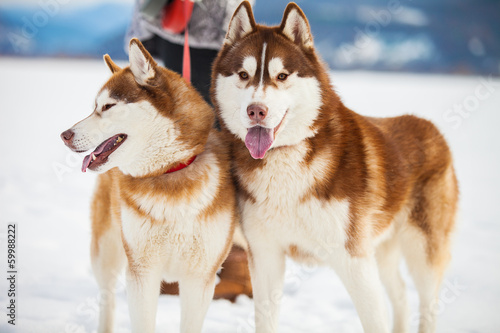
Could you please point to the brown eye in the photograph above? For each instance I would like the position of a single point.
(243, 75)
(282, 76)
(106, 107)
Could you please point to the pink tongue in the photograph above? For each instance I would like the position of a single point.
(87, 159)
(86, 163)
(259, 140)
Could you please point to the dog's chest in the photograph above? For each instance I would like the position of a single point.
(284, 208)
(175, 232)
(181, 247)
(286, 180)
(282, 179)
(175, 228)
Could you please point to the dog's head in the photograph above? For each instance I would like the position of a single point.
(146, 120)
(267, 81)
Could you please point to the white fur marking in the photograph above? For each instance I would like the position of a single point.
(148, 147)
(275, 67)
(262, 64)
(300, 96)
(250, 65)
(104, 98)
(163, 208)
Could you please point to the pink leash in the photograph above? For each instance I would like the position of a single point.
(186, 60)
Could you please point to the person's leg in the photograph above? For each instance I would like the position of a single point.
(201, 70)
(170, 54)
(201, 64)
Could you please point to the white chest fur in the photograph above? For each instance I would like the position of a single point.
(174, 230)
(316, 226)
(164, 208)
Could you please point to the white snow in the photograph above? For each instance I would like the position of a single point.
(43, 191)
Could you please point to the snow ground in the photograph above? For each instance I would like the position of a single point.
(43, 191)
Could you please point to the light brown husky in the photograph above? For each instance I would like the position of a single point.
(164, 205)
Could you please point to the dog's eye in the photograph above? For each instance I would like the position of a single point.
(106, 107)
(243, 75)
(282, 76)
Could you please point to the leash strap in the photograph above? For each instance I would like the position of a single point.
(186, 59)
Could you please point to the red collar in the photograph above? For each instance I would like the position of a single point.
(182, 165)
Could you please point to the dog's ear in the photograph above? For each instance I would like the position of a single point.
(242, 23)
(295, 26)
(142, 63)
(111, 65)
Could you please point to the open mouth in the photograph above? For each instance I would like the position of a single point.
(100, 155)
(259, 139)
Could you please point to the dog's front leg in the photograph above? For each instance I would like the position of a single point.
(143, 289)
(108, 260)
(267, 270)
(361, 279)
(195, 294)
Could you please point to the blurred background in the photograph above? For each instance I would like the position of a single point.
(439, 36)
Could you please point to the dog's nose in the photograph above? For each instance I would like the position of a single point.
(257, 112)
(67, 136)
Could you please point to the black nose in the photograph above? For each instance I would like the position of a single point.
(67, 136)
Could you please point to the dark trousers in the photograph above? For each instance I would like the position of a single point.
(201, 62)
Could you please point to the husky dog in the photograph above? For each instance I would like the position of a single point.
(326, 186)
(164, 205)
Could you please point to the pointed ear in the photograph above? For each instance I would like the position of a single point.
(295, 26)
(142, 64)
(111, 65)
(242, 23)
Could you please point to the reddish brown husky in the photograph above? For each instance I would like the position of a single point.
(325, 185)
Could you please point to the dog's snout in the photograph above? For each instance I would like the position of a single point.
(257, 112)
(67, 136)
